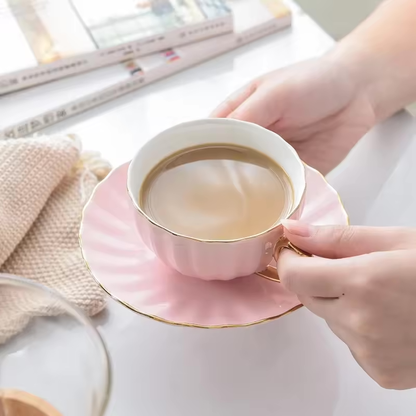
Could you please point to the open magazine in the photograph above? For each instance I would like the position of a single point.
(28, 111)
(43, 40)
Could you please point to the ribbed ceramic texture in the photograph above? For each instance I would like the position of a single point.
(131, 273)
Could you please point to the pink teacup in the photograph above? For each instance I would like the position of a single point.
(214, 259)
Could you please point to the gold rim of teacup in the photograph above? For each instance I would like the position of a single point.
(174, 323)
(133, 198)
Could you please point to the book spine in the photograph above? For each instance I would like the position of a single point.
(81, 63)
(228, 42)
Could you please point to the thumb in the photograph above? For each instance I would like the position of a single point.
(259, 108)
(226, 108)
(335, 241)
(253, 103)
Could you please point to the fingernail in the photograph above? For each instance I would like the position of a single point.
(297, 228)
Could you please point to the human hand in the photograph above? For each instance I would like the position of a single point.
(364, 286)
(316, 106)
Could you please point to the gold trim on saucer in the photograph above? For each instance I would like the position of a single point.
(191, 325)
(174, 323)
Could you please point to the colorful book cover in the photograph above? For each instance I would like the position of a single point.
(85, 34)
(24, 113)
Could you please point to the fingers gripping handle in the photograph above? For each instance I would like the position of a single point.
(270, 273)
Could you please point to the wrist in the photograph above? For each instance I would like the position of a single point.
(379, 56)
(357, 64)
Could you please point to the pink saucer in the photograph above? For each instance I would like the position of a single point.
(130, 273)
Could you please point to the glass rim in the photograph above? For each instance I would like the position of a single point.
(75, 312)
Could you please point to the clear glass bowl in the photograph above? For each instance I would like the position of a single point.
(57, 362)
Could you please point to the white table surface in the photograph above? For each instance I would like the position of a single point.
(290, 367)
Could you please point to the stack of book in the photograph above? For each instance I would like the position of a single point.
(78, 54)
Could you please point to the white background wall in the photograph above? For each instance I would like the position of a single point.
(338, 17)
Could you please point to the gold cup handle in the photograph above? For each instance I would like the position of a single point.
(270, 273)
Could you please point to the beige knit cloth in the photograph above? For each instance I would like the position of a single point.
(44, 183)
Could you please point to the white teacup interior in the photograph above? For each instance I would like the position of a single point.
(216, 131)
